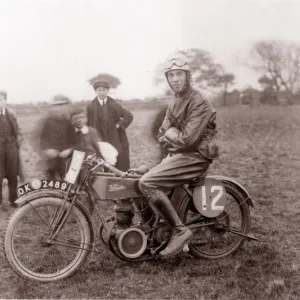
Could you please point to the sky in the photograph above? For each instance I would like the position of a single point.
(50, 47)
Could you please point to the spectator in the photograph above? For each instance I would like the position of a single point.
(110, 119)
(10, 140)
(53, 138)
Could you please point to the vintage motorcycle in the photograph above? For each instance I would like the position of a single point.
(51, 233)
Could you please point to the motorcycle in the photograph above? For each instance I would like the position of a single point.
(51, 233)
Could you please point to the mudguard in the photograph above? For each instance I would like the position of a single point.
(57, 194)
(235, 184)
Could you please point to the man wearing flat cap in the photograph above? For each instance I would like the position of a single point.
(52, 138)
(10, 140)
(111, 119)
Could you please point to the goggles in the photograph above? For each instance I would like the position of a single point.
(179, 62)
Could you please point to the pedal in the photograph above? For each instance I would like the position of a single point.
(154, 251)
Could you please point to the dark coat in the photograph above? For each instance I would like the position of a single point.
(87, 142)
(117, 137)
(193, 120)
(13, 122)
(56, 133)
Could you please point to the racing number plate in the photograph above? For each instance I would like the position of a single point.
(42, 184)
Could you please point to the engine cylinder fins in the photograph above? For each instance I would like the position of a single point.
(132, 242)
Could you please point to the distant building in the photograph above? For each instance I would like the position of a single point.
(251, 96)
(233, 97)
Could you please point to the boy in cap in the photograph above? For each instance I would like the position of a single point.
(110, 119)
(10, 140)
(86, 138)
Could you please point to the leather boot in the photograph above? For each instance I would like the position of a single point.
(181, 235)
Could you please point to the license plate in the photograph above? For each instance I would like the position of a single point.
(42, 184)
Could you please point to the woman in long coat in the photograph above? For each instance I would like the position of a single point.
(111, 119)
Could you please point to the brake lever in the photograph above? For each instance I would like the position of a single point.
(99, 163)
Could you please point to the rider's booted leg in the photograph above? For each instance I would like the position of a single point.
(180, 234)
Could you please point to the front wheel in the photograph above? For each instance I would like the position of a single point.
(32, 254)
(218, 240)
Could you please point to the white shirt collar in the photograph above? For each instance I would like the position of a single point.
(84, 129)
(102, 101)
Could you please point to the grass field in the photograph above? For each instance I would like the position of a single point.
(260, 148)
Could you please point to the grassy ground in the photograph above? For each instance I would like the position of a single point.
(260, 148)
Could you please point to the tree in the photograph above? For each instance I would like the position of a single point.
(225, 80)
(113, 81)
(278, 62)
(207, 75)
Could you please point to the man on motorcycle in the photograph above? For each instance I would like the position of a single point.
(188, 132)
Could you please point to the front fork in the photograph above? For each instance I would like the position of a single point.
(61, 216)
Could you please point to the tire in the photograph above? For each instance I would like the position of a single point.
(25, 241)
(200, 251)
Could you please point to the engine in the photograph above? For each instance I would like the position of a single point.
(131, 239)
(131, 220)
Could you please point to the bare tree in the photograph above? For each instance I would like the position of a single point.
(279, 65)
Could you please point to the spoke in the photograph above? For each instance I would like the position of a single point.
(24, 236)
(39, 216)
(65, 239)
(239, 204)
(72, 246)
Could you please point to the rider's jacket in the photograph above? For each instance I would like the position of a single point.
(190, 124)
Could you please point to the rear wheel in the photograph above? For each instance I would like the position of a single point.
(30, 252)
(216, 241)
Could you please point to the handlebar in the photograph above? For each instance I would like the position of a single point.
(115, 170)
(95, 162)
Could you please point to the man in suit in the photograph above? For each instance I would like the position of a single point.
(53, 138)
(110, 119)
(10, 140)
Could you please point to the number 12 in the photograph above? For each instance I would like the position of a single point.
(215, 199)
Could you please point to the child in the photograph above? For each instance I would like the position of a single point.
(86, 138)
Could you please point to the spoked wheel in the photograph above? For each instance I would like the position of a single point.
(33, 254)
(218, 240)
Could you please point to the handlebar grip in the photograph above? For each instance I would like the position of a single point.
(115, 170)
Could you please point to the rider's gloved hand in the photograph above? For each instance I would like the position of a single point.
(164, 141)
(172, 134)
